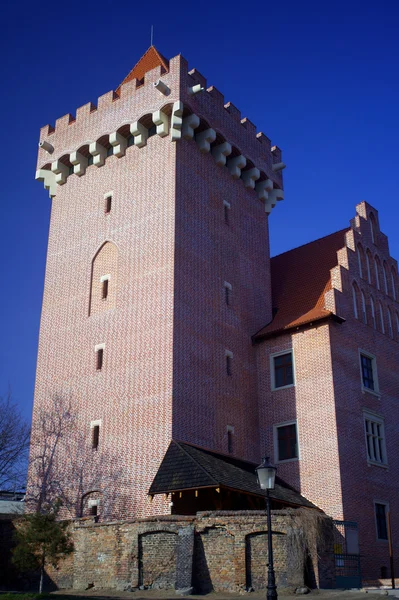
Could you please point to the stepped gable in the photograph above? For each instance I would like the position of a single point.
(150, 60)
(300, 279)
(186, 466)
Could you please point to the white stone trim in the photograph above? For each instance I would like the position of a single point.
(160, 119)
(99, 153)
(235, 165)
(177, 120)
(98, 347)
(92, 503)
(61, 172)
(230, 428)
(204, 140)
(79, 162)
(228, 353)
(228, 285)
(49, 182)
(105, 278)
(140, 134)
(108, 194)
(189, 124)
(118, 143)
(226, 204)
(98, 423)
(220, 152)
(249, 177)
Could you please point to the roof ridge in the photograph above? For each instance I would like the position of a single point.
(179, 444)
(161, 58)
(345, 229)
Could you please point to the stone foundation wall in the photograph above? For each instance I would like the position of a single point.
(221, 551)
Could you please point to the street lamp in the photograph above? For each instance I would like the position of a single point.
(266, 473)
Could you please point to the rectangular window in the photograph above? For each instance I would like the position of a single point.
(94, 510)
(226, 208)
(230, 442)
(375, 439)
(99, 359)
(368, 368)
(367, 371)
(227, 293)
(104, 289)
(108, 204)
(286, 442)
(282, 370)
(381, 520)
(95, 436)
(228, 364)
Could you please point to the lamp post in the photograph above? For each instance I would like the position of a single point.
(266, 473)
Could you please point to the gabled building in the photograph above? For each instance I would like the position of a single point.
(329, 381)
(177, 343)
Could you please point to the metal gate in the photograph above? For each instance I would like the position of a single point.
(346, 552)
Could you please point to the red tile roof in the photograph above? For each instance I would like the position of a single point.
(150, 60)
(300, 278)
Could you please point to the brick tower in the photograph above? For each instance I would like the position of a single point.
(157, 276)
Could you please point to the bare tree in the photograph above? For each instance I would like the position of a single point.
(64, 466)
(14, 444)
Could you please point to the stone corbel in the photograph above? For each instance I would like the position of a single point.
(249, 177)
(235, 165)
(48, 178)
(189, 124)
(140, 134)
(177, 120)
(263, 188)
(278, 166)
(220, 152)
(160, 119)
(204, 140)
(79, 162)
(61, 172)
(99, 153)
(119, 144)
(274, 197)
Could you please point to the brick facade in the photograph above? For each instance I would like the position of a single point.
(177, 356)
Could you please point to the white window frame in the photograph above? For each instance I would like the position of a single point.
(369, 415)
(275, 442)
(373, 359)
(386, 504)
(272, 371)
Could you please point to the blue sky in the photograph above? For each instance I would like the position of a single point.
(319, 78)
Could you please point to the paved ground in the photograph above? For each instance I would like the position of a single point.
(170, 595)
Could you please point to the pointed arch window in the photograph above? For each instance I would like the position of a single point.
(368, 266)
(364, 313)
(382, 324)
(384, 272)
(393, 283)
(360, 258)
(373, 228)
(355, 299)
(390, 328)
(373, 320)
(377, 272)
(397, 323)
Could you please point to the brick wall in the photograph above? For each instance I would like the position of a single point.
(228, 550)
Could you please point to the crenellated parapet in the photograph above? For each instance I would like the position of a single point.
(175, 105)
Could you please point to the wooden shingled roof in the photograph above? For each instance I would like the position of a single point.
(189, 467)
(300, 278)
(150, 60)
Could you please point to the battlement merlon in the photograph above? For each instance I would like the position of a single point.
(136, 98)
